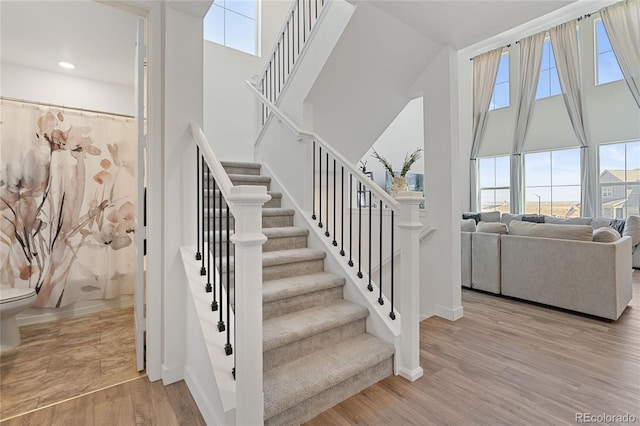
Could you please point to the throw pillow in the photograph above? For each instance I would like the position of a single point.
(468, 225)
(599, 222)
(632, 229)
(605, 235)
(618, 225)
(508, 217)
(534, 219)
(474, 216)
(492, 227)
(548, 230)
(493, 216)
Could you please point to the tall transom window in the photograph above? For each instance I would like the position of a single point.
(233, 23)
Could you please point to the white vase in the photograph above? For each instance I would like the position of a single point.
(398, 184)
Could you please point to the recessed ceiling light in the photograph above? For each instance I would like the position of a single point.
(67, 65)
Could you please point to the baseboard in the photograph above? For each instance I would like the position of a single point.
(172, 374)
(411, 375)
(34, 316)
(448, 313)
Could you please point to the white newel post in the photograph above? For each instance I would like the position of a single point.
(248, 239)
(409, 236)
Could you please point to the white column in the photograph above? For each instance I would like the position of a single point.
(248, 239)
(409, 236)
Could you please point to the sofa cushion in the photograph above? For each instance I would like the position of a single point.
(599, 222)
(508, 217)
(492, 227)
(632, 229)
(533, 219)
(605, 235)
(568, 220)
(549, 230)
(468, 225)
(493, 216)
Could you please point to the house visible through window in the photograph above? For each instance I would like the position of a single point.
(548, 82)
(607, 69)
(620, 179)
(500, 97)
(552, 182)
(493, 183)
(233, 23)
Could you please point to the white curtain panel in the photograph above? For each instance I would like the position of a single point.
(485, 70)
(564, 39)
(530, 59)
(622, 22)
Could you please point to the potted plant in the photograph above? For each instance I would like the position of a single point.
(399, 183)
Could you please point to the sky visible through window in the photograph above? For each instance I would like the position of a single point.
(608, 69)
(232, 23)
(548, 82)
(500, 96)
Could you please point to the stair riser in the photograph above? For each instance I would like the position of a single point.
(283, 354)
(285, 243)
(321, 402)
(274, 202)
(235, 170)
(239, 181)
(267, 222)
(299, 303)
(288, 270)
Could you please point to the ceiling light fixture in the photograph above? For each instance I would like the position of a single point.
(67, 65)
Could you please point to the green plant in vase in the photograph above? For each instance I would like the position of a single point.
(399, 183)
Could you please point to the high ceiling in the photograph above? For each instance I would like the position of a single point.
(98, 39)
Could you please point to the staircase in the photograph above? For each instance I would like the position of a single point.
(316, 349)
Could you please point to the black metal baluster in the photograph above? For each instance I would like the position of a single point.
(392, 314)
(227, 347)
(350, 263)
(212, 246)
(316, 7)
(220, 263)
(208, 286)
(288, 49)
(203, 269)
(304, 23)
(313, 188)
(279, 70)
(326, 232)
(198, 211)
(380, 299)
(335, 243)
(359, 229)
(369, 286)
(342, 210)
(319, 185)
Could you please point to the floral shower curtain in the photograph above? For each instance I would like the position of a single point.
(67, 203)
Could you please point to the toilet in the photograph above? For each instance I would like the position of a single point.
(12, 302)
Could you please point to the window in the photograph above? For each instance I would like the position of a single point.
(500, 97)
(493, 183)
(232, 23)
(607, 69)
(548, 82)
(620, 179)
(552, 182)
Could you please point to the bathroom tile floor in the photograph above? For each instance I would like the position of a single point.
(66, 358)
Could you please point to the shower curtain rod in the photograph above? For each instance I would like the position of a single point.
(25, 101)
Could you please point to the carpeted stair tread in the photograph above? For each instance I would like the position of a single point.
(285, 329)
(295, 286)
(241, 164)
(258, 179)
(283, 257)
(285, 232)
(299, 380)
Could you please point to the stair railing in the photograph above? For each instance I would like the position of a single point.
(287, 48)
(331, 173)
(239, 289)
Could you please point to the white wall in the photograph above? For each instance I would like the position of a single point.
(21, 82)
(229, 106)
(404, 135)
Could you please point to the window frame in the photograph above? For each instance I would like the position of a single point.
(626, 183)
(596, 55)
(497, 83)
(225, 11)
(547, 41)
(495, 187)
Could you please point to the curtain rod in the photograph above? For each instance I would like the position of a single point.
(25, 101)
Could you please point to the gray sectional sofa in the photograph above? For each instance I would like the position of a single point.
(551, 263)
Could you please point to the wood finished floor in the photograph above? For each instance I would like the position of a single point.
(509, 363)
(62, 359)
